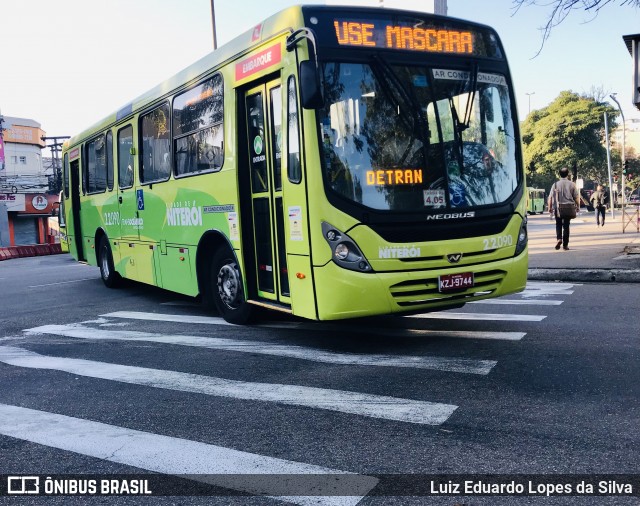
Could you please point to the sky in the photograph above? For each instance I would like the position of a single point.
(67, 64)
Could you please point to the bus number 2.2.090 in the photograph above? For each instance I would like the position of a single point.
(499, 241)
(112, 218)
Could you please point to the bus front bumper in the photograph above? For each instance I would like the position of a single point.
(342, 293)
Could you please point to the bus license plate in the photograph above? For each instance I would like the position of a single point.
(453, 282)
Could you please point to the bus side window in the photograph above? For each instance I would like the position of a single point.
(95, 165)
(294, 166)
(155, 145)
(109, 160)
(125, 157)
(198, 136)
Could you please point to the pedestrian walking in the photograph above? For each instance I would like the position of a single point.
(597, 200)
(564, 202)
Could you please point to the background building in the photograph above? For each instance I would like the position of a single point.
(25, 205)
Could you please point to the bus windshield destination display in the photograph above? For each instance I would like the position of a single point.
(394, 177)
(389, 36)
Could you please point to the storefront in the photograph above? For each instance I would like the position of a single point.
(28, 215)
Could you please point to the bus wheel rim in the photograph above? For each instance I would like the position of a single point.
(229, 286)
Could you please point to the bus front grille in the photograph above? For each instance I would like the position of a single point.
(422, 292)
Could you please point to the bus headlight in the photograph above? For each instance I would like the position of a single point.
(521, 243)
(341, 251)
(345, 251)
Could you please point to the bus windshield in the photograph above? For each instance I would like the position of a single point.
(417, 138)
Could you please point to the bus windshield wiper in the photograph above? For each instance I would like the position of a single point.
(472, 96)
(461, 126)
(420, 127)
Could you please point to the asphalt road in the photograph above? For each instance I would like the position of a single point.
(544, 382)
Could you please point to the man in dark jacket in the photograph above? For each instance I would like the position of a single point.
(563, 194)
(597, 200)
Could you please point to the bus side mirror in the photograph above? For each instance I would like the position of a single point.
(310, 92)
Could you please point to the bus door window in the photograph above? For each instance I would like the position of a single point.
(259, 189)
(294, 165)
(275, 95)
(264, 128)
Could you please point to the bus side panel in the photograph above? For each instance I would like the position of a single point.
(99, 212)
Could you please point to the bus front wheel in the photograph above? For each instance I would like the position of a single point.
(228, 295)
(108, 273)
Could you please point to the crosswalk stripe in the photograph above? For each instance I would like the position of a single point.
(446, 364)
(446, 315)
(545, 284)
(518, 302)
(374, 406)
(202, 462)
(177, 318)
(544, 293)
(322, 327)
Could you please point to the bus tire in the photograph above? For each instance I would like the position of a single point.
(226, 287)
(108, 273)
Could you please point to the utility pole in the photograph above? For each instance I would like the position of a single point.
(624, 128)
(213, 24)
(56, 148)
(606, 133)
(2, 156)
(529, 95)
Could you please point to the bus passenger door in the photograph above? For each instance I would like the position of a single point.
(75, 209)
(264, 135)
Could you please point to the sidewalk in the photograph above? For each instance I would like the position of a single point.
(595, 253)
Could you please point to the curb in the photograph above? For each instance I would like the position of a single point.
(586, 275)
(29, 251)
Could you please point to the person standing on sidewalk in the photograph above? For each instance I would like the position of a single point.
(597, 200)
(564, 201)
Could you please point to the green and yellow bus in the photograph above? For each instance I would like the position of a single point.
(330, 163)
(535, 200)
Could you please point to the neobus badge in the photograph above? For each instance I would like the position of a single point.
(256, 63)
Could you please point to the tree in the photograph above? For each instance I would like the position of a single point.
(560, 9)
(569, 132)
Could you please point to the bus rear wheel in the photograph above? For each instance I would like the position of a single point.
(228, 294)
(108, 273)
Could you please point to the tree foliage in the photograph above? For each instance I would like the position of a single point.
(569, 132)
(560, 9)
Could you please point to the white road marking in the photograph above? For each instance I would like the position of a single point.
(544, 293)
(445, 315)
(170, 455)
(447, 364)
(322, 327)
(542, 285)
(63, 282)
(544, 289)
(11, 338)
(518, 302)
(177, 318)
(354, 403)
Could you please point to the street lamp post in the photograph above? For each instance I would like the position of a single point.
(529, 95)
(623, 157)
(213, 24)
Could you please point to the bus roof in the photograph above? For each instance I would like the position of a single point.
(277, 23)
(288, 19)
